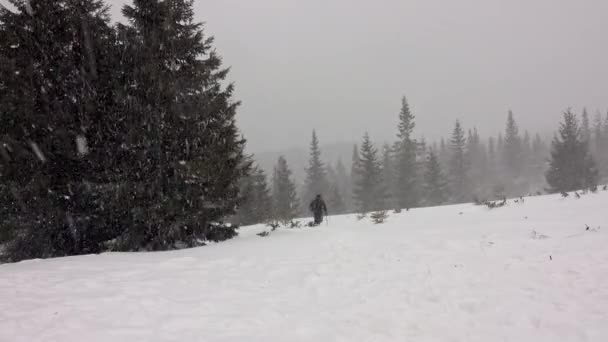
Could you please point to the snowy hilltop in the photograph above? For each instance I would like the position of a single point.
(531, 271)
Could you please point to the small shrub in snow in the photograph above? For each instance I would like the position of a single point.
(273, 225)
(295, 224)
(263, 234)
(496, 204)
(379, 217)
(220, 232)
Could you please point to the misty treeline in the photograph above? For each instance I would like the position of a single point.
(113, 137)
(463, 167)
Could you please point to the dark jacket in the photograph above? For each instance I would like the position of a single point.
(318, 207)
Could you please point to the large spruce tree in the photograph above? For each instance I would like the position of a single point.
(184, 147)
(57, 68)
(571, 166)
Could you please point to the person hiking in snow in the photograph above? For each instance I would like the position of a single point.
(318, 208)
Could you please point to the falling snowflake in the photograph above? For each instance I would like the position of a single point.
(81, 144)
(37, 151)
(28, 8)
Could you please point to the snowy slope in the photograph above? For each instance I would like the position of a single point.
(526, 272)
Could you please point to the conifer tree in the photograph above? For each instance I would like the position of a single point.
(527, 157)
(444, 154)
(571, 166)
(492, 155)
(57, 67)
(256, 206)
(435, 184)
(539, 148)
(335, 203)
(316, 175)
(458, 165)
(597, 141)
(406, 173)
(388, 173)
(369, 194)
(331, 174)
(599, 145)
(492, 177)
(603, 156)
(344, 185)
(500, 148)
(354, 175)
(538, 160)
(284, 196)
(182, 141)
(586, 126)
(513, 153)
(527, 146)
(476, 158)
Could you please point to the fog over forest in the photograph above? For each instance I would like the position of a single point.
(341, 66)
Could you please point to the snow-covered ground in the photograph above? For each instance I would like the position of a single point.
(526, 272)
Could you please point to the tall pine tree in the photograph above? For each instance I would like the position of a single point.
(256, 203)
(512, 153)
(599, 144)
(476, 158)
(369, 193)
(586, 126)
(335, 202)
(316, 176)
(344, 185)
(459, 168)
(388, 173)
(284, 196)
(406, 173)
(571, 166)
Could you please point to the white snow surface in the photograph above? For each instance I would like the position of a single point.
(453, 273)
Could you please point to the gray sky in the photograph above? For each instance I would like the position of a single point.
(341, 66)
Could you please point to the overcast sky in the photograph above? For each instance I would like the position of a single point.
(341, 66)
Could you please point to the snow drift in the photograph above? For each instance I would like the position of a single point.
(536, 271)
